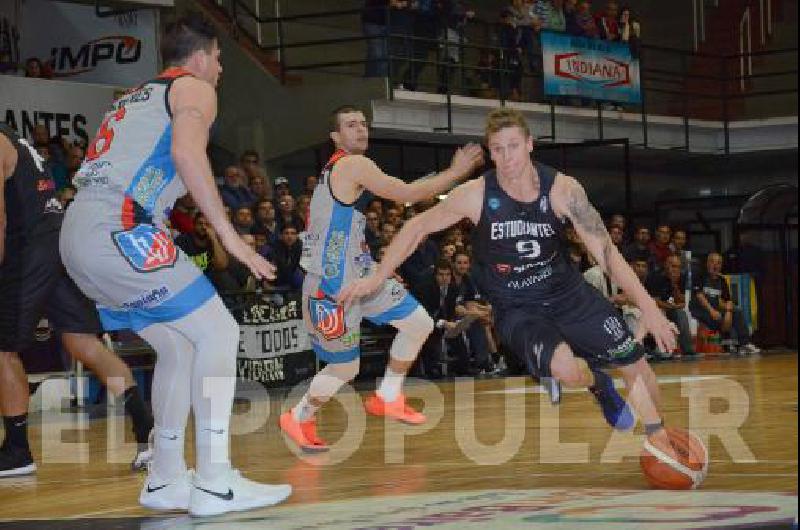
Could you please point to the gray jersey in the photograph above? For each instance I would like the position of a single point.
(113, 242)
(334, 246)
(128, 174)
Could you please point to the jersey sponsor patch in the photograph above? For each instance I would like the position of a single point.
(146, 248)
(53, 206)
(327, 317)
(43, 185)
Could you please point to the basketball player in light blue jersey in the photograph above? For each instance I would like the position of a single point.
(335, 253)
(150, 150)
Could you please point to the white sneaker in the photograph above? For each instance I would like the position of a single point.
(144, 455)
(749, 349)
(158, 494)
(233, 493)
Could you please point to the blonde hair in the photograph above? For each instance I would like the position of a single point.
(503, 118)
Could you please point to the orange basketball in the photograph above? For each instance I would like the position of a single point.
(686, 473)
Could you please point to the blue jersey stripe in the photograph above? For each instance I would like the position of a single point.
(401, 310)
(154, 175)
(334, 254)
(336, 357)
(190, 298)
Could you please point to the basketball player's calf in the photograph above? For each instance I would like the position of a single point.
(118, 380)
(574, 372)
(389, 400)
(300, 423)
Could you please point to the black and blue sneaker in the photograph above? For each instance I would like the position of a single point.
(616, 410)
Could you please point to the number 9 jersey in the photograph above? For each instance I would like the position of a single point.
(520, 248)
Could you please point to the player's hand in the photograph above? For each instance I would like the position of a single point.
(716, 315)
(358, 289)
(663, 331)
(261, 268)
(467, 159)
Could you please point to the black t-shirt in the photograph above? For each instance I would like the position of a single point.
(714, 289)
(30, 194)
(467, 290)
(660, 287)
(202, 256)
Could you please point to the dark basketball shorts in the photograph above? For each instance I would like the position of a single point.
(34, 284)
(592, 327)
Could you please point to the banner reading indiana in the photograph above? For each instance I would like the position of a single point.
(589, 68)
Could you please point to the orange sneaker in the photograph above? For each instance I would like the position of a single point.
(397, 409)
(304, 434)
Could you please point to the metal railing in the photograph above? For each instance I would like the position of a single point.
(674, 82)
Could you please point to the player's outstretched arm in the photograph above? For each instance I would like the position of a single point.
(365, 173)
(464, 201)
(194, 107)
(569, 199)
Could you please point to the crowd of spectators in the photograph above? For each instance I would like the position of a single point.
(402, 34)
(682, 287)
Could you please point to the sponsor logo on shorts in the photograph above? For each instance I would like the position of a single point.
(327, 317)
(623, 350)
(537, 349)
(149, 299)
(614, 327)
(397, 292)
(146, 248)
(503, 268)
(352, 339)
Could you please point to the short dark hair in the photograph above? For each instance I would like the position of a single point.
(443, 264)
(250, 152)
(333, 124)
(185, 36)
(287, 226)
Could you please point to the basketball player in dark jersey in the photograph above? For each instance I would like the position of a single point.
(561, 327)
(33, 284)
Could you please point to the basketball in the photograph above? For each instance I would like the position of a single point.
(688, 472)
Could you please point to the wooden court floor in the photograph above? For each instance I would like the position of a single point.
(495, 442)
